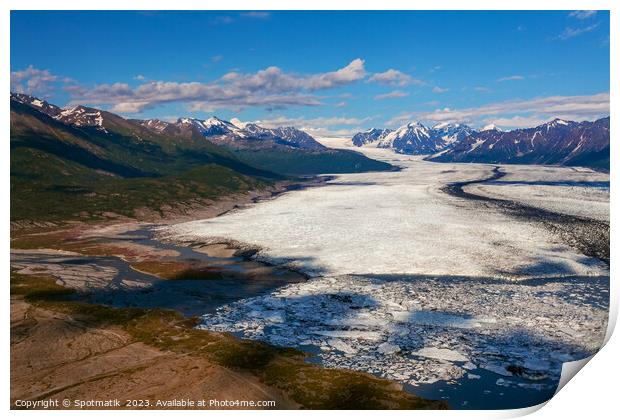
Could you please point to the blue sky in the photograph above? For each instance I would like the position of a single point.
(331, 73)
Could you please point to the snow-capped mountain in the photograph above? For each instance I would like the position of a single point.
(78, 116)
(289, 136)
(212, 127)
(450, 132)
(216, 130)
(369, 136)
(250, 136)
(154, 124)
(558, 123)
(413, 138)
(490, 127)
(36, 103)
(82, 116)
(555, 142)
(107, 144)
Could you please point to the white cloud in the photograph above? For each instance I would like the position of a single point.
(310, 122)
(269, 102)
(353, 72)
(129, 107)
(394, 78)
(582, 14)
(543, 108)
(569, 32)
(438, 89)
(509, 78)
(34, 81)
(274, 80)
(392, 95)
(270, 88)
(517, 121)
(321, 132)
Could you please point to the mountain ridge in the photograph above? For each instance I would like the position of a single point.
(219, 131)
(412, 138)
(84, 163)
(556, 142)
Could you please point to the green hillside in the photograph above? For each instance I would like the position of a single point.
(300, 162)
(65, 172)
(60, 172)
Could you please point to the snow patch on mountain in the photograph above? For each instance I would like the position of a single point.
(155, 124)
(36, 103)
(490, 127)
(413, 138)
(81, 116)
(451, 133)
(212, 127)
(226, 132)
(555, 142)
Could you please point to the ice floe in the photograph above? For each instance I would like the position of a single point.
(441, 354)
(466, 324)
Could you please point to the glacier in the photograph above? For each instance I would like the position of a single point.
(411, 284)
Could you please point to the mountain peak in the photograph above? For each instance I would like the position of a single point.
(556, 122)
(82, 116)
(217, 121)
(442, 125)
(490, 127)
(413, 137)
(225, 132)
(185, 120)
(155, 124)
(448, 126)
(36, 103)
(554, 142)
(212, 126)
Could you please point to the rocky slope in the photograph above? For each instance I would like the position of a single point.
(556, 142)
(413, 138)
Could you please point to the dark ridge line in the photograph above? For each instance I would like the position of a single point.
(588, 236)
